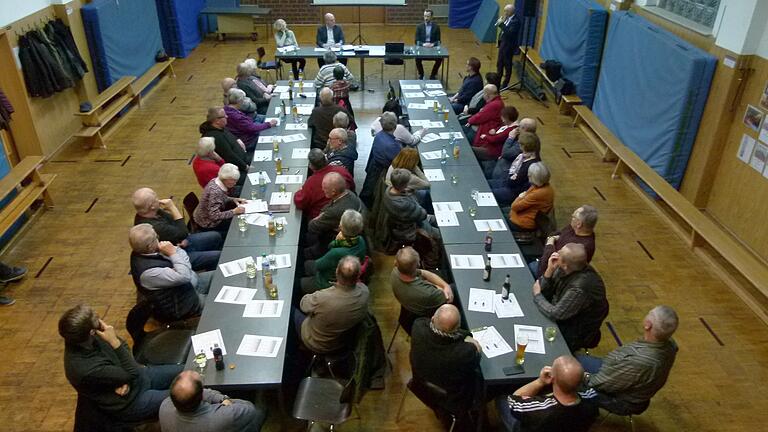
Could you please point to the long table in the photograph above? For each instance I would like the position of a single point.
(374, 51)
(466, 239)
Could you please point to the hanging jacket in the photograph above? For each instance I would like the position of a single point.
(66, 36)
(36, 77)
(68, 60)
(6, 109)
(59, 79)
(59, 64)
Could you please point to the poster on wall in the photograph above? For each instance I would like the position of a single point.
(753, 117)
(746, 147)
(764, 97)
(764, 132)
(759, 158)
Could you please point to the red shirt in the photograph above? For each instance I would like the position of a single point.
(489, 117)
(205, 170)
(310, 198)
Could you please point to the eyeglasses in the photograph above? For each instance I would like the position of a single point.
(221, 117)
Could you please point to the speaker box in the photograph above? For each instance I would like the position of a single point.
(529, 8)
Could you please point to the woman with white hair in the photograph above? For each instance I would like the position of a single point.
(206, 163)
(539, 198)
(215, 211)
(284, 38)
(258, 94)
(242, 126)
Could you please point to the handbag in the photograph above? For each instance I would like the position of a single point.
(553, 69)
(563, 87)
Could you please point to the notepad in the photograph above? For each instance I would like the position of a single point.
(205, 342)
(280, 198)
(480, 300)
(264, 139)
(300, 153)
(446, 218)
(433, 86)
(508, 308)
(235, 295)
(432, 155)
(235, 267)
(417, 94)
(258, 219)
(467, 262)
(506, 261)
(255, 177)
(453, 206)
(492, 343)
(484, 225)
(289, 179)
(410, 87)
(294, 138)
(262, 155)
(428, 138)
(255, 206)
(259, 346)
(434, 174)
(296, 126)
(418, 106)
(486, 199)
(434, 93)
(535, 338)
(263, 309)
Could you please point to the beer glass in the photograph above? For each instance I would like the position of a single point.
(522, 342)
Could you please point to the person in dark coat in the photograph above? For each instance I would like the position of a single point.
(428, 36)
(228, 147)
(509, 36)
(329, 36)
(472, 84)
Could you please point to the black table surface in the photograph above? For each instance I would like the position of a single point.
(521, 281)
(411, 52)
(248, 371)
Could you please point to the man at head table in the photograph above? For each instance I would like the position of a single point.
(428, 36)
(329, 36)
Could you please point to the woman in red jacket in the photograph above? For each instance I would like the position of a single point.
(488, 118)
(495, 138)
(206, 163)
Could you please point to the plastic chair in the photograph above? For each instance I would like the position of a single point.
(159, 347)
(324, 400)
(190, 204)
(267, 66)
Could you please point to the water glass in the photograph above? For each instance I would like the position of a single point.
(550, 333)
(241, 223)
(254, 194)
(454, 179)
(474, 194)
(472, 211)
(250, 270)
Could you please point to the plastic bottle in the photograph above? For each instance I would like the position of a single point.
(444, 155)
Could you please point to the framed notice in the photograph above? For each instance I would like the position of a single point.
(746, 148)
(753, 117)
(764, 96)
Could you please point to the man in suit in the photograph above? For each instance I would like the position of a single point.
(428, 36)
(329, 36)
(509, 24)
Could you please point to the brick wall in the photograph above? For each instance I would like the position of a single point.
(412, 12)
(302, 11)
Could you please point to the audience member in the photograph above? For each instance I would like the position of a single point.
(491, 142)
(320, 273)
(247, 105)
(215, 211)
(341, 120)
(408, 159)
(325, 78)
(227, 146)
(190, 408)
(206, 163)
(383, 150)
(242, 126)
(477, 101)
(328, 317)
(203, 248)
(420, 292)
(539, 198)
(321, 119)
(580, 230)
(472, 84)
(285, 38)
(428, 36)
(509, 151)
(254, 92)
(509, 38)
(629, 376)
(339, 152)
(340, 88)
(572, 293)
(10, 274)
(516, 180)
(310, 198)
(101, 368)
(487, 119)
(403, 214)
(401, 133)
(329, 36)
(323, 228)
(532, 409)
(163, 274)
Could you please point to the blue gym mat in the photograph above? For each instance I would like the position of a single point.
(180, 25)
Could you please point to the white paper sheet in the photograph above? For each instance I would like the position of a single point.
(281, 261)
(235, 267)
(304, 110)
(431, 155)
(418, 106)
(447, 135)
(296, 126)
(467, 262)
(492, 343)
(259, 346)
(410, 87)
(506, 261)
(262, 155)
(434, 174)
(434, 93)
(258, 219)
(255, 206)
(205, 342)
(759, 157)
(279, 89)
(280, 198)
(428, 138)
(745, 148)
(421, 123)
(480, 300)
(446, 218)
(263, 309)
(434, 125)
(254, 178)
(535, 338)
(417, 94)
(318, 49)
(287, 48)
(235, 295)
(294, 137)
(289, 179)
(486, 199)
(300, 153)
(269, 119)
(264, 139)
(508, 308)
(433, 86)
(452, 206)
(484, 225)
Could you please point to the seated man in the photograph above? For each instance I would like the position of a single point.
(329, 36)
(241, 125)
(190, 408)
(339, 151)
(311, 198)
(247, 105)
(349, 241)
(629, 376)
(228, 146)
(428, 36)
(203, 248)
(581, 230)
(325, 76)
(403, 215)
(472, 84)
(341, 120)
(256, 93)
(384, 149)
(321, 119)
(420, 292)
(530, 409)
(162, 273)
(323, 228)
(509, 151)
(101, 368)
(447, 356)
(487, 119)
(328, 316)
(572, 293)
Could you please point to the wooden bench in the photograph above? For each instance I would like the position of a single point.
(109, 103)
(157, 71)
(689, 222)
(30, 185)
(567, 101)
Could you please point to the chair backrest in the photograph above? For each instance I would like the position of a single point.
(394, 47)
(136, 319)
(545, 222)
(261, 52)
(431, 394)
(190, 204)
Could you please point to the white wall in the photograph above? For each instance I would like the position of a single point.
(14, 10)
(762, 48)
(742, 25)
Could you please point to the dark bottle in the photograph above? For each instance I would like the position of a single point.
(488, 241)
(505, 289)
(487, 271)
(290, 93)
(218, 357)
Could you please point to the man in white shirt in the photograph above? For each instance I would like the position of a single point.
(329, 36)
(509, 24)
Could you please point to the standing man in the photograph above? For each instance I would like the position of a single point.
(509, 36)
(329, 36)
(428, 36)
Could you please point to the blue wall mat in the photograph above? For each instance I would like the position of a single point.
(484, 24)
(5, 168)
(651, 93)
(179, 25)
(462, 12)
(574, 36)
(123, 37)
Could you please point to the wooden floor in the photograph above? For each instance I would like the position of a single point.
(78, 253)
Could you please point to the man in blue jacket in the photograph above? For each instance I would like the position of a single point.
(472, 84)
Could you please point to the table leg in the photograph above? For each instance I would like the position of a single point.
(447, 71)
(362, 73)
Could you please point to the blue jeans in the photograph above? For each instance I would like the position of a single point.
(458, 108)
(501, 191)
(533, 266)
(204, 249)
(589, 363)
(511, 423)
(298, 319)
(147, 404)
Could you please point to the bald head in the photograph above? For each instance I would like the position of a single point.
(447, 318)
(573, 257)
(528, 124)
(333, 185)
(509, 10)
(326, 96)
(187, 391)
(490, 91)
(144, 201)
(567, 374)
(330, 20)
(348, 271)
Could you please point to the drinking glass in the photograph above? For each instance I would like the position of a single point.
(250, 270)
(241, 223)
(454, 179)
(254, 194)
(474, 194)
(522, 342)
(472, 211)
(201, 361)
(550, 333)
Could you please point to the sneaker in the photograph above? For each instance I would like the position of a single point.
(6, 301)
(15, 274)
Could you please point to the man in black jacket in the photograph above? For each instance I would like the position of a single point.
(329, 36)
(509, 36)
(228, 147)
(428, 36)
(99, 365)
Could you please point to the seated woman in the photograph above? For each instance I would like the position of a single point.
(322, 272)
(206, 163)
(285, 38)
(489, 117)
(408, 159)
(539, 198)
(487, 146)
(215, 211)
(507, 187)
(402, 133)
(242, 126)
(247, 105)
(401, 214)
